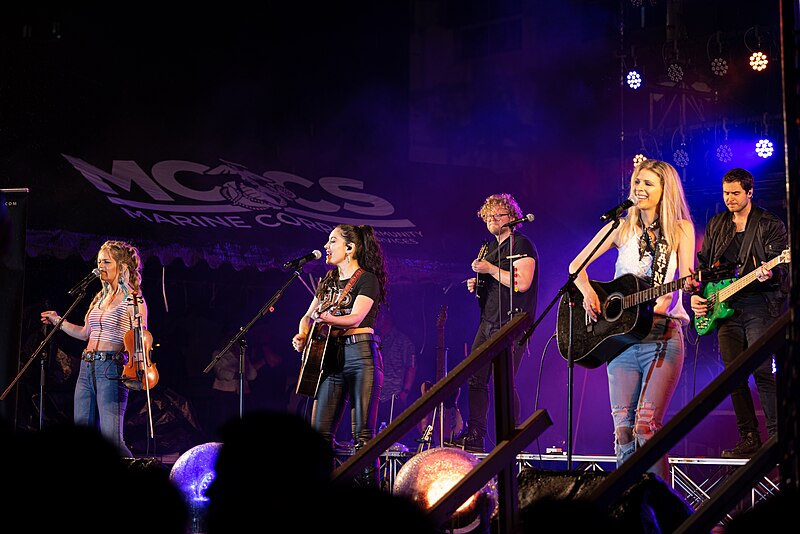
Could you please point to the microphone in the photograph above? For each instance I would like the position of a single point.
(617, 210)
(527, 218)
(299, 262)
(80, 286)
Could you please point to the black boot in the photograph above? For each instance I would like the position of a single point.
(469, 440)
(747, 446)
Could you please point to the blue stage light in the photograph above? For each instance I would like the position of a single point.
(764, 148)
(634, 79)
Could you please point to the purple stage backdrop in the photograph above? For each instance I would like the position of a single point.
(225, 143)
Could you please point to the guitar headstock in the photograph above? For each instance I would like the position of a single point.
(785, 256)
(442, 316)
(484, 249)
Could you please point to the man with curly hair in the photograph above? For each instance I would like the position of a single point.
(506, 283)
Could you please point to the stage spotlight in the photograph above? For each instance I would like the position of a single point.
(764, 148)
(724, 153)
(719, 66)
(758, 61)
(758, 58)
(675, 72)
(192, 474)
(634, 79)
(429, 475)
(681, 157)
(638, 159)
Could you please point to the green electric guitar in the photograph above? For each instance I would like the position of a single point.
(718, 292)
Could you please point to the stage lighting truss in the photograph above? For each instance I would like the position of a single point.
(634, 79)
(758, 58)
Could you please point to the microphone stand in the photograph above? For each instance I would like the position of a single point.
(238, 338)
(81, 291)
(570, 290)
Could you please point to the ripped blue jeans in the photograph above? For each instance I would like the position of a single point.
(641, 382)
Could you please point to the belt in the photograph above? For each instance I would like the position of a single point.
(358, 338)
(102, 355)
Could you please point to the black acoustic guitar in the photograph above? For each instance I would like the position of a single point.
(314, 355)
(626, 316)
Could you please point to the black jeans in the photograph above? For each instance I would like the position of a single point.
(748, 323)
(478, 384)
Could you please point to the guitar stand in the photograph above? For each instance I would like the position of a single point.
(427, 436)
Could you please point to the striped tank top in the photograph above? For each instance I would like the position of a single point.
(110, 325)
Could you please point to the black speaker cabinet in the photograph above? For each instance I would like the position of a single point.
(563, 497)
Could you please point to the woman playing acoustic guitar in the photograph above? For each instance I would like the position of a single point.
(654, 241)
(100, 395)
(349, 362)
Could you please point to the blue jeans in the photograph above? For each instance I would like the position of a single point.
(101, 400)
(641, 382)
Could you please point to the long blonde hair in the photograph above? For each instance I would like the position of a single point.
(672, 208)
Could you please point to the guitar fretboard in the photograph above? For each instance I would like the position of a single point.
(727, 292)
(634, 299)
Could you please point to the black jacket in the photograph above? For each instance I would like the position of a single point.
(770, 240)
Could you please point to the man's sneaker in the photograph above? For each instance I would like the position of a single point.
(469, 440)
(748, 445)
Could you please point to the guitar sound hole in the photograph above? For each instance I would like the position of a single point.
(612, 308)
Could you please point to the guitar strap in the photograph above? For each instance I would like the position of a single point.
(348, 287)
(749, 236)
(660, 250)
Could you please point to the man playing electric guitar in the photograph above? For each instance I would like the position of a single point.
(511, 261)
(749, 236)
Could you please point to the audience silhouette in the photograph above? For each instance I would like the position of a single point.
(274, 469)
(70, 478)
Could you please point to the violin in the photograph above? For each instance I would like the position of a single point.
(139, 372)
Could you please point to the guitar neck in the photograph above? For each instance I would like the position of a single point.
(441, 359)
(651, 293)
(727, 292)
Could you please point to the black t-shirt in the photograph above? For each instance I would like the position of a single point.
(496, 300)
(731, 255)
(367, 285)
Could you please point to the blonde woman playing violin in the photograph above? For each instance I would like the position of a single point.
(100, 396)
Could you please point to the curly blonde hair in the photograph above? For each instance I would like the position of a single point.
(502, 201)
(129, 268)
